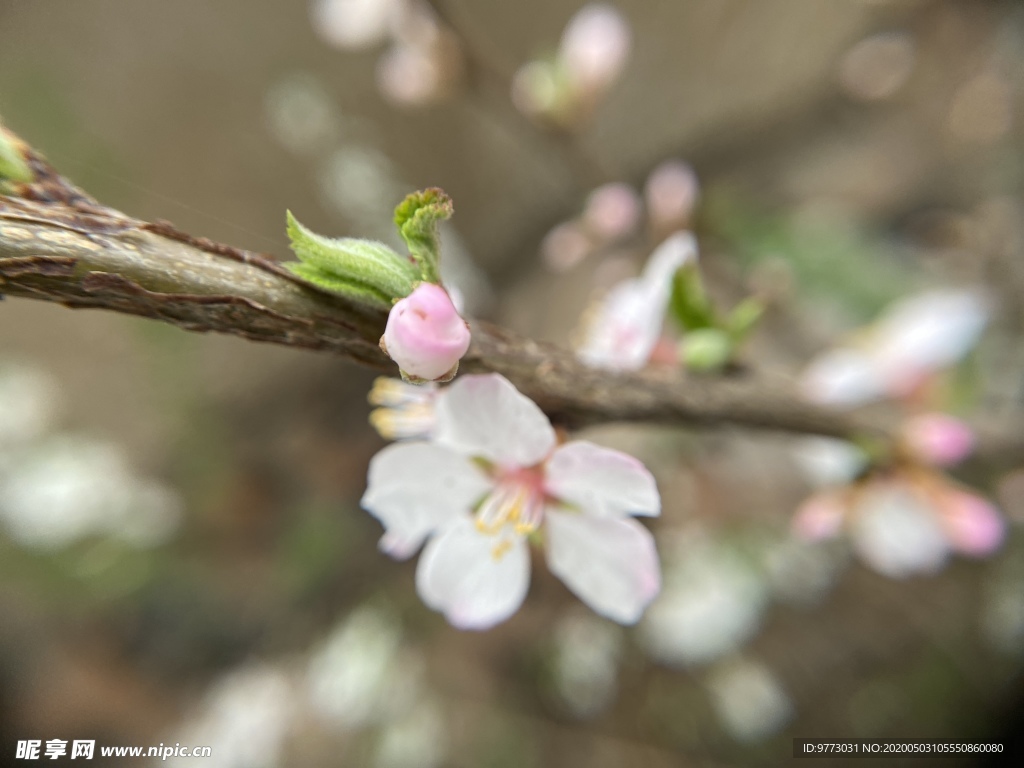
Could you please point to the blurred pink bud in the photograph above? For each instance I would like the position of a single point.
(612, 211)
(425, 335)
(564, 247)
(594, 47)
(409, 76)
(973, 525)
(819, 517)
(939, 439)
(354, 23)
(671, 192)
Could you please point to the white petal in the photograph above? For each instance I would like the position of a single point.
(749, 700)
(476, 580)
(486, 416)
(624, 330)
(415, 488)
(610, 564)
(897, 533)
(828, 461)
(931, 330)
(601, 481)
(710, 605)
(667, 258)
(843, 378)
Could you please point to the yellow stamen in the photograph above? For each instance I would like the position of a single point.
(501, 549)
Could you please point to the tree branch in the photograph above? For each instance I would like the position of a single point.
(58, 244)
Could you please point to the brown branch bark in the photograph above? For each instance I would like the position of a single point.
(57, 244)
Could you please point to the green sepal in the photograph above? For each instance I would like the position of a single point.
(358, 268)
(690, 304)
(707, 349)
(743, 318)
(12, 165)
(417, 218)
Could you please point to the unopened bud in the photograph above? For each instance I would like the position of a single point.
(425, 335)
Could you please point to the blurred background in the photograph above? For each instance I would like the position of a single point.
(182, 554)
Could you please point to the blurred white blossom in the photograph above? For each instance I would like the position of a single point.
(750, 702)
(827, 461)
(354, 23)
(586, 663)
(1002, 610)
(67, 488)
(916, 338)
(362, 184)
(904, 524)
(245, 719)
(27, 404)
(418, 739)
(710, 604)
(301, 114)
(896, 533)
(799, 572)
(622, 331)
(362, 675)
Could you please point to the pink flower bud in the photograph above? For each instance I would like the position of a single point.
(939, 439)
(671, 192)
(819, 517)
(595, 46)
(425, 335)
(612, 211)
(973, 525)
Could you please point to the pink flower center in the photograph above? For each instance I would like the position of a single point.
(515, 508)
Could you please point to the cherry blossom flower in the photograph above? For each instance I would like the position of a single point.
(893, 358)
(425, 335)
(711, 603)
(624, 331)
(904, 523)
(493, 477)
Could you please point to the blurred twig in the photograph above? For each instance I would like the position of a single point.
(58, 244)
(490, 87)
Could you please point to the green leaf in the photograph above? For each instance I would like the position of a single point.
(743, 318)
(690, 304)
(351, 266)
(417, 218)
(12, 165)
(364, 294)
